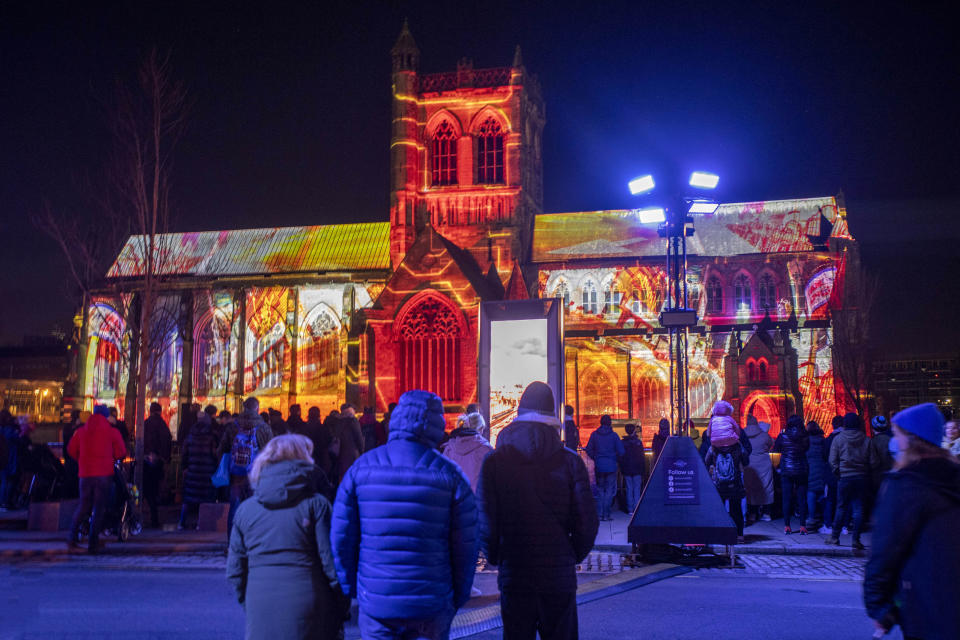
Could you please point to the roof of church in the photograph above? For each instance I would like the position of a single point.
(336, 247)
(776, 226)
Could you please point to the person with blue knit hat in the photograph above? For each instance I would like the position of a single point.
(910, 579)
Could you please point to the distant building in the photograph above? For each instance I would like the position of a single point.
(909, 381)
(364, 312)
(32, 380)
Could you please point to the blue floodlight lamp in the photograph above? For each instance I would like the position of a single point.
(704, 180)
(641, 185)
(702, 206)
(654, 214)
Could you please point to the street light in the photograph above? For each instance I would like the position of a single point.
(676, 223)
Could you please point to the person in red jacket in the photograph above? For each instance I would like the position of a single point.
(94, 446)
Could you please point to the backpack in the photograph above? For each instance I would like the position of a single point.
(725, 469)
(243, 451)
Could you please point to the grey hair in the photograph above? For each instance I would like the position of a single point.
(290, 446)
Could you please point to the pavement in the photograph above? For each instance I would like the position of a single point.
(760, 538)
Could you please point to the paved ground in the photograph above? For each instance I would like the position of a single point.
(185, 596)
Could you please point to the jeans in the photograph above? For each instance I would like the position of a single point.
(152, 478)
(607, 488)
(634, 487)
(239, 491)
(93, 501)
(189, 509)
(435, 628)
(552, 615)
(815, 504)
(794, 487)
(851, 491)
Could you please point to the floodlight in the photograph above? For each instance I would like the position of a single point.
(648, 216)
(704, 180)
(641, 185)
(702, 206)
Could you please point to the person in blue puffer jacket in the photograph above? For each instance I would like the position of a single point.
(404, 531)
(605, 447)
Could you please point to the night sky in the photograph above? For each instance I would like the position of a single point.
(291, 108)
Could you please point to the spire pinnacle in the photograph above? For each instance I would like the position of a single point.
(405, 54)
(517, 58)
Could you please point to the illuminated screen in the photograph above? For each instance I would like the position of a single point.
(518, 356)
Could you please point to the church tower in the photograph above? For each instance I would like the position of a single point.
(465, 157)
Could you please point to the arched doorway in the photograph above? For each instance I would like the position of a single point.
(429, 332)
(765, 408)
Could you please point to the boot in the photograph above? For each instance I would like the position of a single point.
(832, 540)
(856, 544)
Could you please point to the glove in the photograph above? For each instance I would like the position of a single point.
(341, 603)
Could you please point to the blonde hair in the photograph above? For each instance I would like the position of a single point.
(291, 446)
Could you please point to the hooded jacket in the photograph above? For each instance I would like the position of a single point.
(199, 462)
(880, 443)
(633, 462)
(95, 446)
(467, 448)
(792, 446)
(851, 454)
(758, 475)
(817, 461)
(280, 541)
(914, 549)
(538, 518)
(405, 521)
(605, 447)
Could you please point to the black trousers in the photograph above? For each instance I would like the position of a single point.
(152, 478)
(526, 613)
(93, 501)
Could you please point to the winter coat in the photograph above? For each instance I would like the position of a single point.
(538, 517)
(604, 447)
(914, 551)
(792, 445)
(851, 454)
(320, 436)
(199, 461)
(295, 424)
(758, 476)
(405, 520)
(279, 561)
(817, 461)
(659, 440)
(347, 430)
(467, 448)
(368, 429)
(741, 451)
(634, 460)
(571, 434)
(95, 446)
(880, 444)
(245, 422)
(157, 440)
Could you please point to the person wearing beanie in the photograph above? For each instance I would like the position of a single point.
(660, 438)
(722, 429)
(157, 446)
(852, 461)
(571, 434)
(633, 465)
(537, 520)
(880, 443)
(792, 445)
(95, 446)
(605, 447)
(467, 447)
(910, 577)
(404, 529)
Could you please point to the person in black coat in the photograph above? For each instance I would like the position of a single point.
(660, 438)
(819, 469)
(537, 520)
(792, 445)
(571, 433)
(910, 578)
(157, 444)
(633, 465)
(199, 461)
(295, 423)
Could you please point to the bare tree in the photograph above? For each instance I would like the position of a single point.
(145, 122)
(852, 348)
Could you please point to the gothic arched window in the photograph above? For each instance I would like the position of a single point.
(599, 394)
(767, 292)
(319, 350)
(213, 354)
(429, 337)
(589, 297)
(742, 299)
(561, 290)
(714, 295)
(490, 153)
(762, 370)
(612, 299)
(443, 155)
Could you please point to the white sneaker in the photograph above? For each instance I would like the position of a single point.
(825, 530)
(845, 532)
(474, 592)
(766, 517)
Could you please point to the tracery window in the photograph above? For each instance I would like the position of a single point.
(589, 297)
(599, 394)
(714, 295)
(611, 300)
(320, 351)
(429, 338)
(562, 291)
(767, 292)
(443, 155)
(741, 293)
(490, 153)
(762, 370)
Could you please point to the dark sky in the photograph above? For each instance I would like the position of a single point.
(290, 123)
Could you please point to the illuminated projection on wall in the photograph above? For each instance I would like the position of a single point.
(520, 342)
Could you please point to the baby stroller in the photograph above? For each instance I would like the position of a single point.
(122, 514)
